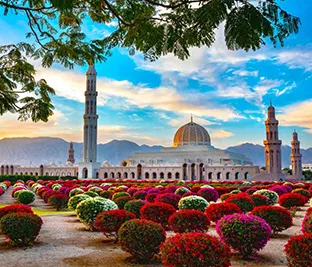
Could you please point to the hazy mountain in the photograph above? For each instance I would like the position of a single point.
(44, 150)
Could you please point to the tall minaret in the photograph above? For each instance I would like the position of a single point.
(71, 153)
(90, 118)
(272, 145)
(295, 156)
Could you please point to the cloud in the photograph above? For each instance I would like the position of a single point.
(245, 73)
(287, 89)
(296, 59)
(124, 94)
(298, 114)
(220, 134)
(178, 122)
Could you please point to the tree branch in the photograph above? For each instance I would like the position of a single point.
(24, 8)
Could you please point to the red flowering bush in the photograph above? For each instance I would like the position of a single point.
(20, 228)
(245, 233)
(169, 198)
(121, 201)
(278, 218)
(209, 194)
(307, 224)
(259, 200)
(15, 208)
(309, 211)
(189, 221)
(119, 194)
(157, 212)
(195, 250)
(292, 200)
(298, 251)
(150, 197)
(141, 238)
(303, 192)
(242, 200)
(58, 200)
(140, 195)
(108, 222)
(216, 211)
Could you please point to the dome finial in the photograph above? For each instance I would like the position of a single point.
(191, 117)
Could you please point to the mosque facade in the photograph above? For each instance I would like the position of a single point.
(191, 157)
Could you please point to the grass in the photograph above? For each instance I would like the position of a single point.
(41, 212)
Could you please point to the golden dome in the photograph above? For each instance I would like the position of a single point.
(191, 134)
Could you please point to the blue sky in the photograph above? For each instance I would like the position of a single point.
(146, 102)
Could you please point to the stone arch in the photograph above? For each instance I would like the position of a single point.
(85, 173)
(237, 176)
(47, 174)
(219, 176)
(177, 175)
(169, 175)
(6, 169)
(154, 175)
(36, 174)
(51, 174)
(118, 175)
(139, 171)
(146, 175)
(22, 173)
(2, 170)
(112, 175)
(97, 175)
(193, 173)
(228, 176)
(210, 175)
(16, 173)
(11, 169)
(105, 175)
(26, 173)
(68, 174)
(132, 175)
(201, 171)
(247, 176)
(184, 171)
(41, 170)
(161, 175)
(31, 173)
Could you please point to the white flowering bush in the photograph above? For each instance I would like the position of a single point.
(193, 203)
(206, 186)
(75, 200)
(56, 187)
(88, 209)
(271, 195)
(311, 202)
(181, 191)
(3, 186)
(35, 187)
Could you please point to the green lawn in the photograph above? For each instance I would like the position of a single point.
(45, 212)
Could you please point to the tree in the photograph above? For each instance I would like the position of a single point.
(153, 27)
(307, 174)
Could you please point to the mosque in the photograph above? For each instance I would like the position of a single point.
(191, 157)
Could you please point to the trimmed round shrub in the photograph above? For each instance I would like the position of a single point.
(135, 206)
(309, 211)
(278, 218)
(140, 195)
(236, 191)
(271, 196)
(225, 196)
(193, 203)
(251, 190)
(26, 196)
(105, 193)
(15, 208)
(75, 200)
(88, 209)
(58, 201)
(195, 250)
(298, 251)
(279, 189)
(120, 194)
(150, 197)
(75, 191)
(209, 194)
(246, 234)
(141, 238)
(91, 194)
(242, 200)
(169, 198)
(121, 201)
(290, 200)
(303, 192)
(216, 211)
(181, 191)
(108, 222)
(307, 225)
(259, 200)
(21, 228)
(184, 221)
(157, 212)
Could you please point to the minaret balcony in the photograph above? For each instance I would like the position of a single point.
(91, 93)
(90, 116)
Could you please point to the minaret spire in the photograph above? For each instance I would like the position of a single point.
(71, 153)
(295, 156)
(191, 118)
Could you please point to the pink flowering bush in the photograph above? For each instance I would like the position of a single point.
(307, 224)
(169, 198)
(209, 194)
(246, 234)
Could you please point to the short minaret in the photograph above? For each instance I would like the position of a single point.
(71, 153)
(272, 145)
(295, 156)
(89, 165)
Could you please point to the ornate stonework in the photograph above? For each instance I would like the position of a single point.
(295, 156)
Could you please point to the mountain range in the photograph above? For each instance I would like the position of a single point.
(45, 150)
